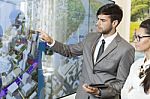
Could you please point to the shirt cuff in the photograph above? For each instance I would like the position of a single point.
(51, 45)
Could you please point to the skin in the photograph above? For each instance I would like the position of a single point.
(149, 91)
(144, 44)
(104, 26)
(91, 90)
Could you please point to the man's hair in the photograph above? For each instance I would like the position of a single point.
(111, 9)
(146, 24)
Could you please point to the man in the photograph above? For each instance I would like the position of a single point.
(112, 67)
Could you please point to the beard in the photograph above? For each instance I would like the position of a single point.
(106, 31)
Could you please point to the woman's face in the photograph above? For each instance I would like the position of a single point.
(142, 40)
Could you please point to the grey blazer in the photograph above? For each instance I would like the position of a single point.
(112, 67)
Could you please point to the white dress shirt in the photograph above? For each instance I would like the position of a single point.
(51, 45)
(132, 88)
(108, 40)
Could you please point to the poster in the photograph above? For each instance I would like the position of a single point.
(140, 10)
(69, 22)
(18, 52)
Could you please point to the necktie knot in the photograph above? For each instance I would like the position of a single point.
(103, 41)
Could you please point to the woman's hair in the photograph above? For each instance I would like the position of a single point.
(146, 81)
(146, 24)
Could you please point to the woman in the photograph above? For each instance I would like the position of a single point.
(137, 85)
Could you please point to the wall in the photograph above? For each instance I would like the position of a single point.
(124, 27)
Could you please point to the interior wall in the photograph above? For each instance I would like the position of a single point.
(124, 27)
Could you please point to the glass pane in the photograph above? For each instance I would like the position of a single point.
(18, 51)
(68, 22)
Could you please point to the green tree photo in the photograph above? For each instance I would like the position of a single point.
(140, 10)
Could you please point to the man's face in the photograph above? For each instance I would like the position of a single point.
(104, 24)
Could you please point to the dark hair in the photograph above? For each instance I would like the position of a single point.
(146, 24)
(146, 81)
(113, 10)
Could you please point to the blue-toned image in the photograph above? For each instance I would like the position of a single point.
(18, 53)
(67, 21)
(28, 68)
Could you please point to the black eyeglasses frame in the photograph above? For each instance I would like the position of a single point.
(138, 37)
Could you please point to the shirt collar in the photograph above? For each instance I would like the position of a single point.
(110, 38)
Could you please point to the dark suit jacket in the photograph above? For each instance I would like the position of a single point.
(112, 67)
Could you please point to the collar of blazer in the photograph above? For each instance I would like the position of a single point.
(110, 48)
(97, 36)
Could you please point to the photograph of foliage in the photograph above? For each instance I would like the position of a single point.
(140, 10)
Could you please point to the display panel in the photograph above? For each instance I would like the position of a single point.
(69, 22)
(18, 52)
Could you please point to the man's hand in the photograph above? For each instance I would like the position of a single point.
(91, 90)
(45, 37)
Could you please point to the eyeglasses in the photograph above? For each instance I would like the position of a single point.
(138, 37)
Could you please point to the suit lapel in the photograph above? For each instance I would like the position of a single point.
(110, 48)
(94, 46)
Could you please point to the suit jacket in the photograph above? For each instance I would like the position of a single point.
(112, 67)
